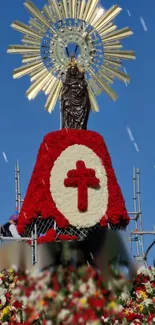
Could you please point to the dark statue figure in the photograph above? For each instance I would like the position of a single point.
(75, 103)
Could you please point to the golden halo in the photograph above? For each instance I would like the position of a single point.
(49, 32)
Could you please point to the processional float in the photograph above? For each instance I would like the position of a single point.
(73, 189)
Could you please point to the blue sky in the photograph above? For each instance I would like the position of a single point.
(23, 124)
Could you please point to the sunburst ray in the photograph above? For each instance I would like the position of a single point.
(53, 97)
(22, 49)
(37, 14)
(37, 73)
(37, 26)
(28, 68)
(25, 29)
(110, 62)
(28, 59)
(130, 55)
(107, 17)
(90, 7)
(82, 9)
(108, 90)
(47, 11)
(30, 41)
(95, 87)
(93, 101)
(57, 13)
(117, 35)
(116, 73)
(38, 85)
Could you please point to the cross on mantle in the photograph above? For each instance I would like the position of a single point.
(82, 178)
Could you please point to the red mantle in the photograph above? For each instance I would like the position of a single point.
(38, 199)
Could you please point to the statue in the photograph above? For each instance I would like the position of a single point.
(75, 103)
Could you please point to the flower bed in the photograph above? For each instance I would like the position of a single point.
(68, 296)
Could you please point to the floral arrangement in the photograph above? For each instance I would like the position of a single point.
(53, 198)
(68, 296)
(11, 310)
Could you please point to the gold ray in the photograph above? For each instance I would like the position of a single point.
(36, 74)
(112, 62)
(30, 41)
(55, 8)
(53, 97)
(64, 3)
(23, 28)
(27, 59)
(24, 70)
(119, 34)
(96, 15)
(50, 86)
(22, 49)
(70, 8)
(109, 91)
(120, 54)
(33, 23)
(113, 46)
(62, 10)
(93, 101)
(30, 37)
(108, 16)
(116, 73)
(90, 7)
(37, 13)
(82, 8)
(48, 13)
(78, 9)
(74, 8)
(95, 87)
(48, 83)
(38, 85)
(108, 30)
(103, 74)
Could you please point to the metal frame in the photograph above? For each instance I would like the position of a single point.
(137, 236)
(34, 237)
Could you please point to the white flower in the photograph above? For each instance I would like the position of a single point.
(147, 302)
(124, 296)
(63, 314)
(145, 271)
(106, 320)
(148, 287)
(92, 287)
(24, 300)
(137, 320)
(3, 291)
(3, 300)
(83, 288)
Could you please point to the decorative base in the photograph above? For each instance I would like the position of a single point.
(73, 187)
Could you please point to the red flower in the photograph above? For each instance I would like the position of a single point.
(48, 238)
(150, 318)
(97, 302)
(17, 305)
(133, 316)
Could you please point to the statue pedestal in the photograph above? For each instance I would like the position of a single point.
(73, 184)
